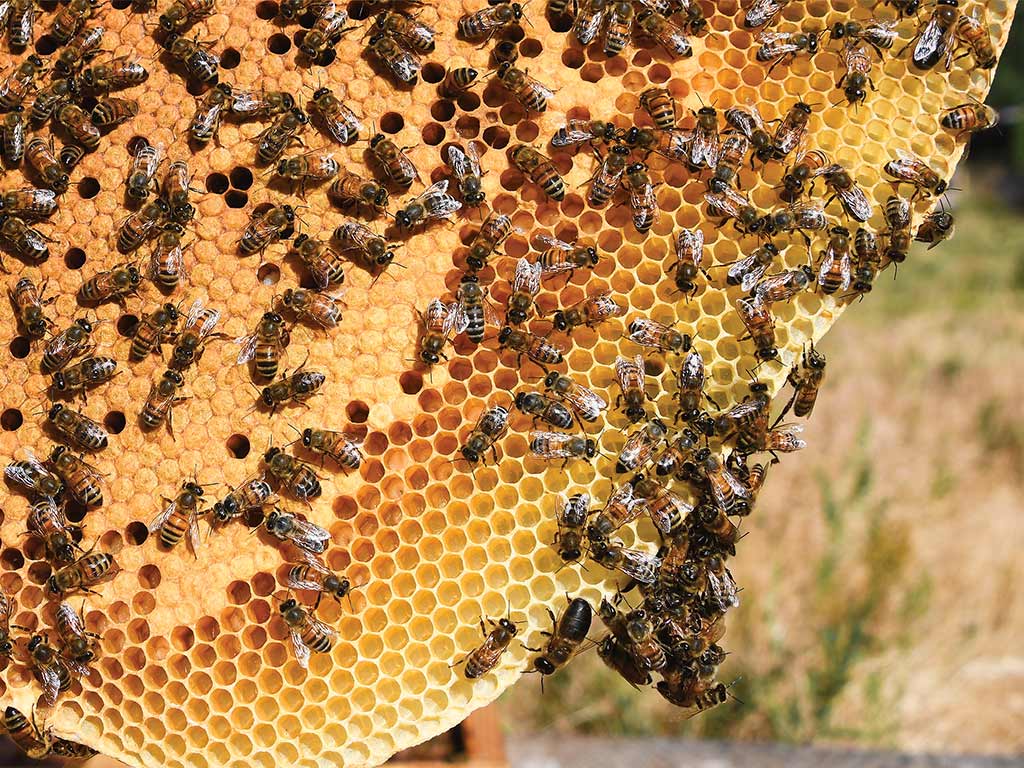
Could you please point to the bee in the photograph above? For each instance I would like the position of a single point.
(667, 510)
(589, 19)
(584, 402)
(669, 35)
(661, 106)
(12, 133)
(51, 669)
(785, 285)
(175, 190)
(784, 47)
(326, 32)
(83, 48)
(579, 131)
(590, 312)
(318, 308)
(537, 349)
(6, 644)
(973, 33)
(639, 446)
(341, 122)
(297, 388)
(325, 267)
(705, 147)
(70, 156)
(407, 30)
(855, 203)
(621, 508)
(20, 23)
(163, 396)
(297, 477)
(637, 564)
(79, 430)
(618, 657)
(678, 453)
(317, 577)
(748, 270)
(876, 33)
(35, 477)
(792, 130)
(904, 8)
(24, 241)
(141, 225)
(396, 164)
(71, 750)
(340, 447)
(254, 493)
(264, 345)
(403, 64)
(113, 75)
(560, 445)
(209, 113)
(898, 217)
(806, 380)
(734, 151)
(433, 203)
(495, 230)
(664, 338)
(40, 156)
(111, 112)
(485, 657)
(78, 645)
(182, 14)
(292, 9)
(968, 118)
(352, 189)
(505, 50)
(303, 534)
(867, 260)
(200, 64)
(367, 249)
(80, 478)
(311, 167)
(489, 428)
(619, 28)
(641, 197)
(798, 216)
(28, 305)
(561, 257)
(487, 21)
(474, 312)
(728, 493)
(73, 341)
(646, 650)
(544, 408)
(307, 633)
(466, 170)
(683, 688)
(808, 167)
(689, 256)
(89, 570)
(198, 329)
(265, 229)
(17, 85)
(285, 130)
(835, 268)
(540, 170)
(630, 375)
(609, 172)
(87, 372)
(458, 81)
(913, 170)
(762, 12)
(730, 204)
(35, 744)
(439, 321)
(529, 92)
(70, 19)
(142, 175)
(690, 382)
(525, 286)
(935, 41)
(568, 632)
(50, 97)
(116, 283)
(856, 79)
(936, 227)
(248, 105)
(759, 321)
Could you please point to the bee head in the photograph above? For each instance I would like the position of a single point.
(269, 457)
(542, 665)
(503, 68)
(54, 411)
(267, 397)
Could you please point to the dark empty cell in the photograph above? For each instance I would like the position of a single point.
(238, 446)
(497, 137)
(115, 422)
(442, 110)
(136, 533)
(236, 199)
(357, 411)
(11, 419)
(268, 274)
(88, 187)
(126, 325)
(511, 180)
(241, 178)
(74, 258)
(230, 58)
(279, 44)
(391, 122)
(467, 127)
(591, 73)
(307, 20)
(468, 101)
(361, 10)
(411, 382)
(197, 88)
(120, 5)
(46, 45)
(561, 23)
(217, 184)
(433, 134)
(74, 511)
(572, 58)
(12, 559)
(20, 347)
(432, 72)
(530, 47)
(266, 10)
(135, 143)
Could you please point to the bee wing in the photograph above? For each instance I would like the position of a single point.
(78, 668)
(552, 242)
(440, 204)
(306, 533)
(160, 519)
(604, 306)
(248, 348)
(405, 66)
(737, 487)
(642, 198)
(690, 241)
(773, 37)
(301, 649)
(623, 494)
(193, 531)
(194, 313)
(556, 439)
(663, 519)
(827, 262)
(704, 149)
(642, 566)
(785, 439)
(856, 203)
(460, 164)
(693, 368)
(527, 277)
(845, 265)
(69, 616)
(586, 403)
(642, 331)
(175, 260)
(49, 681)
(588, 24)
(19, 475)
(456, 320)
(567, 137)
(930, 41)
(754, 273)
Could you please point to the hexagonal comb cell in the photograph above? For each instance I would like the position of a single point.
(195, 664)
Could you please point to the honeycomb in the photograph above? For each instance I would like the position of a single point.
(195, 665)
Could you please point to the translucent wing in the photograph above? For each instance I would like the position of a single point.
(855, 202)
(437, 201)
(640, 565)
(301, 649)
(462, 164)
(309, 535)
(67, 615)
(20, 475)
(527, 277)
(929, 42)
(405, 66)
(49, 681)
(690, 245)
(193, 532)
(551, 444)
(693, 368)
(586, 403)
(552, 242)
(785, 439)
(567, 137)
(160, 519)
(648, 333)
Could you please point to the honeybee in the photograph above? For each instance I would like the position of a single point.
(495, 230)
(73, 341)
(784, 47)
(52, 670)
(71, 750)
(641, 197)
(783, 286)
(617, 657)
(341, 447)
(664, 338)
(116, 283)
(394, 161)
(29, 204)
(661, 106)
(25, 241)
(297, 477)
(629, 373)
(166, 267)
(182, 14)
(730, 496)
(341, 122)
(485, 22)
(836, 263)
(734, 151)
(51, 96)
(28, 305)
(561, 445)
(856, 80)
(35, 744)
(80, 478)
(254, 493)
(762, 12)
(637, 564)
(458, 81)
(646, 650)
(466, 170)
(199, 62)
(684, 688)
(433, 203)
(621, 508)
(474, 312)
(584, 402)
(297, 388)
(677, 454)
(265, 229)
(317, 577)
(78, 644)
(529, 92)
(525, 286)
(669, 35)
(935, 40)
(492, 424)
(198, 329)
(209, 113)
(142, 175)
(606, 178)
(87, 372)
(484, 658)
(809, 165)
(291, 10)
(265, 345)
(70, 156)
(898, 217)
(40, 156)
(589, 19)
(568, 632)
(319, 308)
(973, 33)
(76, 122)
(876, 33)
(968, 118)
(690, 382)
(326, 32)
(579, 131)
(279, 136)
(20, 23)
(801, 216)
(351, 189)
(79, 430)
(12, 136)
(307, 633)
(34, 476)
(867, 260)
(689, 256)
(544, 408)
(82, 49)
(110, 112)
(17, 85)
(855, 203)
(439, 320)
(367, 249)
(619, 27)
(561, 257)
(313, 166)
(936, 227)
(667, 510)
(730, 204)
(590, 312)
(163, 396)
(505, 50)
(705, 146)
(403, 64)
(759, 321)
(407, 30)
(303, 534)
(792, 130)
(748, 270)
(248, 105)
(540, 170)
(113, 75)
(806, 380)
(537, 349)
(141, 225)
(639, 446)
(89, 570)
(913, 170)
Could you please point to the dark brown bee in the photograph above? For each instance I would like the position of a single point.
(590, 15)
(182, 14)
(784, 47)
(265, 345)
(644, 646)
(898, 217)
(629, 373)
(50, 97)
(279, 136)
(319, 308)
(525, 286)
(439, 320)
(28, 306)
(199, 63)
(394, 161)
(868, 260)
(313, 575)
(141, 225)
(762, 12)
(51, 669)
(163, 396)
(70, 19)
(642, 200)
(689, 256)
(364, 246)
(291, 10)
(661, 106)
(87, 372)
(751, 268)
(466, 170)
(808, 166)
(34, 476)
(972, 33)
(617, 656)
(24, 241)
(407, 30)
(40, 156)
(619, 27)
(209, 113)
(606, 178)
(180, 517)
(729, 495)
(530, 93)
(71, 750)
(141, 179)
(326, 32)
(35, 744)
(783, 286)
(579, 131)
(12, 136)
(904, 7)
(584, 402)
(6, 644)
(671, 36)
(80, 478)
(79, 430)
(668, 511)
(487, 21)
(89, 570)
(265, 229)
(836, 262)
(621, 508)
(759, 321)
(484, 658)
(638, 564)
(491, 425)
(677, 454)
(352, 189)
(110, 112)
(474, 312)
(254, 493)
(82, 49)
(249, 105)
(341, 122)
(198, 329)
(114, 75)
(639, 446)
(664, 338)
(458, 81)
(935, 41)
(968, 118)
(567, 634)
(340, 447)
(792, 129)
(730, 204)
(590, 312)
(70, 156)
(734, 152)
(78, 644)
(21, 23)
(113, 284)
(403, 64)
(29, 204)
(540, 170)
(303, 534)
(73, 341)
(17, 85)
(433, 203)
(308, 634)
(297, 477)
(936, 227)
(561, 257)
(166, 267)
(495, 230)
(806, 380)
(571, 517)
(876, 33)
(297, 388)
(324, 264)
(537, 349)
(311, 167)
